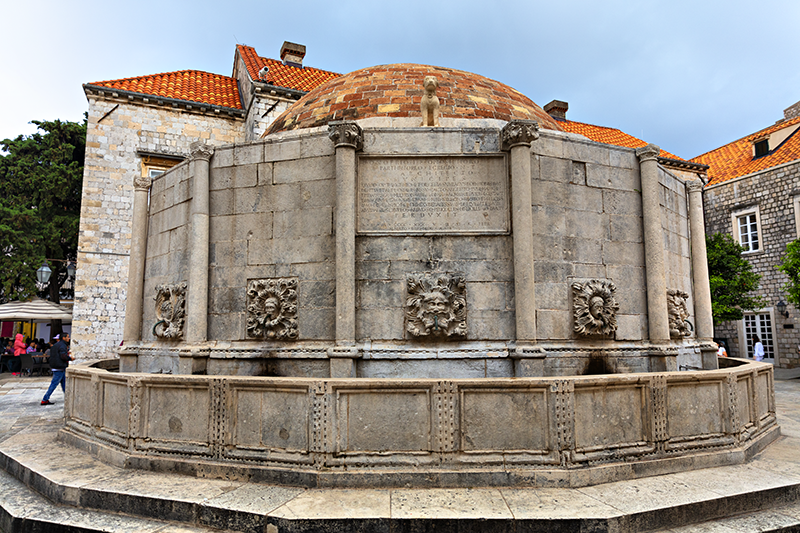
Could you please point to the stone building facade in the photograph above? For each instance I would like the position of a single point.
(756, 199)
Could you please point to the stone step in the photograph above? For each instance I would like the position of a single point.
(785, 519)
(23, 510)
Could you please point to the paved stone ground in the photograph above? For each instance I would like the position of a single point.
(27, 432)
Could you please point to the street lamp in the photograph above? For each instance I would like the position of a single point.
(781, 305)
(71, 269)
(43, 273)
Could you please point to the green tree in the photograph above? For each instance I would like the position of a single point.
(791, 267)
(731, 278)
(40, 204)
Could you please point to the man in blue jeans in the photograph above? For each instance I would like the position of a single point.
(59, 361)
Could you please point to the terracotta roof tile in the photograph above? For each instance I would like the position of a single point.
(736, 159)
(605, 135)
(297, 78)
(189, 85)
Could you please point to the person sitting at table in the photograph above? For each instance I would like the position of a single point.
(32, 347)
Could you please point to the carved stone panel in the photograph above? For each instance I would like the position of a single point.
(595, 307)
(679, 325)
(436, 305)
(272, 308)
(170, 311)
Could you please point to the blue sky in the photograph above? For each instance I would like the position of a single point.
(686, 75)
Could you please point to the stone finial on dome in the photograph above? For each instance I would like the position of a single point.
(429, 106)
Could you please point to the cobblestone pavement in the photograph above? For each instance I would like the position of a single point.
(20, 403)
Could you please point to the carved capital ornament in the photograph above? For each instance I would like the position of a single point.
(142, 183)
(648, 153)
(694, 186)
(201, 151)
(519, 132)
(345, 133)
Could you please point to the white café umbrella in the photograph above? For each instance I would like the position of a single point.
(36, 310)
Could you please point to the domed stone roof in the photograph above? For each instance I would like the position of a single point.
(396, 91)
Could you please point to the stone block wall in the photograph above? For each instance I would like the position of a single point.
(677, 236)
(773, 191)
(111, 164)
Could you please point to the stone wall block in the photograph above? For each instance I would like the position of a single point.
(175, 216)
(551, 272)
(316, 293)
(248, 154)
(265, 173)
(490, 324)
(587, 152)
(372, 270)
(240, 227)
(380, 324)
(631, 327)
(581, 250)
(622, 202)
(313, 271)
(481, 270)
(250, 200)
(316, 324)
(183, 191)
(316, 146)
(554, 169)
(318, 193)
(589, 271)
(232, 276)
(220, 202)
(304, 169)
(226, 326)
(553, 325)
(549, 221)
(303, 249)
(227, 300)
(612, 178)
(631, 301)
(227, 253)
(485, 140)
(282, 151)
(284, 197)
(488, 295)
(468, 247)
(548, 248)
(631, 276)
(393, 141)
(551, 194)
(179, 239)
(157, 244)
(587, 225)
(392, 248)
(380, 294)
(179, 264)
(547, 145)
(552, 296)
(623, 253)
(223, 157)
(585, 198)
(260, 252)
(622, 158)
(303, 223)
(626, 228)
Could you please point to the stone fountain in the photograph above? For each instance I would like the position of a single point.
(358, 300)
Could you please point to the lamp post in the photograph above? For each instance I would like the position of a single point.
(43, 274)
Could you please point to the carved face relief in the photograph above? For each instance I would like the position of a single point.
(679, 325)
(595, 307)
(170, 311)
(272, 308)
(436, 305)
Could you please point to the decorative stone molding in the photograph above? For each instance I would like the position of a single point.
(170, 311)
(272, 308)
(648, 153)
(519, 132)
(679, 325)
(142, 183)
(201, 151)
(436, 305)
(345, 133)
(595, 307)
(694, 186)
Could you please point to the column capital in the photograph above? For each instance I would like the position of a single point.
(648, 153)
(142, 183)
(694, 186)
(519, 132)
(200, 150)
(345, 133)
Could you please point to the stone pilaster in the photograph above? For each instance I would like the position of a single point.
(704, 326)
(657, 317)
(517, 137)
(347, 138)
(197, 299)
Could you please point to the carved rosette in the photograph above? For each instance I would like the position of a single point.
(679, 325)
(345, 133)
(170, 311)
(647, 153)
(142, 183)
(518, 132)
(272, 308)
(201, 151)
(436, 305)
(595, 307)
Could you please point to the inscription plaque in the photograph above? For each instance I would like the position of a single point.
(432, 194)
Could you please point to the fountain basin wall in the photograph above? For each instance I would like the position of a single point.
(565, 431)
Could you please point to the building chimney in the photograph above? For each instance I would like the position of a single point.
(557, 109)
(792, 111)
(292, 54)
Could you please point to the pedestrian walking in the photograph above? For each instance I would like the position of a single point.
(59, 361)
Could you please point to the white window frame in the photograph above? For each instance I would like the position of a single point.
(743, 341)
(796, 203)
(746, 212)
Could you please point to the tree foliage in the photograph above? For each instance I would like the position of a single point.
(40, 203)
(731, 278)
(791, 267)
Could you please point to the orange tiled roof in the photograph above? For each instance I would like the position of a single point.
(736, 159)
(613, 136)
(297, 78)
(190, 85)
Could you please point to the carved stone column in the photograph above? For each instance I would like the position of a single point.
(517, 137)
(702, 290)
(133, 305)
(197, 298)
(347, 138)
(657, 317)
